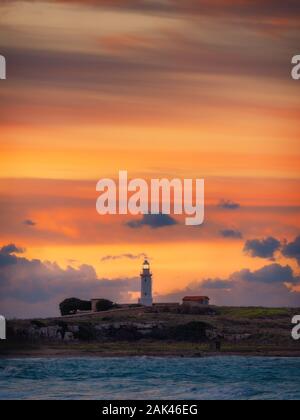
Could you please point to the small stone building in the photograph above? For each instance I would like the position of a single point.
(198, 301)
(94, 304)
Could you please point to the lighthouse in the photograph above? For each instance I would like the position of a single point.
(146, 285)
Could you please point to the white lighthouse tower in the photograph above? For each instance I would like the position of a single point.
(146, 285)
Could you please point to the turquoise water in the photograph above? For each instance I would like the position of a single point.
(150, 378)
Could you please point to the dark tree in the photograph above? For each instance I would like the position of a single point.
(104, 305)
(73, 305)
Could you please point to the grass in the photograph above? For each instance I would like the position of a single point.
(142, 347)
(149, 348)
(254, 312)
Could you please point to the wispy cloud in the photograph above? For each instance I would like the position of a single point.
(231, 234)
(232, 8)
(29, 222)
(228, 205)
(123, 256)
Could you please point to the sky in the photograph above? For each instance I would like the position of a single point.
(160, 88)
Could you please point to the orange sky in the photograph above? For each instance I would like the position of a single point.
(94, 88)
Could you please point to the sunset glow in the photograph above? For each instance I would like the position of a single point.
(95, 87)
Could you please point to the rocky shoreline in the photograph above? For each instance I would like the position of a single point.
(227, 331)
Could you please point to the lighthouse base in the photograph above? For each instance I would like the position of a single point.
(145, 302)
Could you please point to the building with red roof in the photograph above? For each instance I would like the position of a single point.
(196, 300)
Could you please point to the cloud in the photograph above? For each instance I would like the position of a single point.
(231, 234)
(217, 284)
(7, 256)
(11, 249)
(274, 273)
(269, 274)
(150, 58)
(264, 248)
(154, 221)
(137, 61)
(233, 8)
(29, 222)
(28, 284)
(228, 205)
(271, 286)
(292, 250)
(32, 288)
(123, 256)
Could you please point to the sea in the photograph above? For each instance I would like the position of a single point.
(150, 378)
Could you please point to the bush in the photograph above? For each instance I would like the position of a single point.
(63, 325)
(192, 331)
(104, 305)
(197, 310)
(37, 323)
(72, 305)
(86, 333)
(127, 333)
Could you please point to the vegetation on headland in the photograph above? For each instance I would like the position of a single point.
(72, 305)
(105, 305)
(157, 331)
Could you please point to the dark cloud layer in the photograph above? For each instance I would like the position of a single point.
(8, 257)
(264, 248)
(154, 221)
(11, 249)
(217, 284)
(31, 288)
(269, 274)
(268, 286)
(29, 283)
(292, 250)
